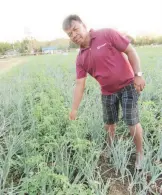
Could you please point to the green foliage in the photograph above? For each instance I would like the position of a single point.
(42, 152)
(148, 40)
(4, 47)
(26, 45)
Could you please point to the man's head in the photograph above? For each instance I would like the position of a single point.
(75, 29)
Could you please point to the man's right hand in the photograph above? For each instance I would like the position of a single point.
(78, 93)
(73, 115)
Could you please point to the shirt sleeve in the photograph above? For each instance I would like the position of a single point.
(119, 41)
(80, 72)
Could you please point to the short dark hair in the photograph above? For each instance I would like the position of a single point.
(67, 21)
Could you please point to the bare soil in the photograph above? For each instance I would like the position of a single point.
(7, 64)
(117, 187)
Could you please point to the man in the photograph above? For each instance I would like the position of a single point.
(102, 55)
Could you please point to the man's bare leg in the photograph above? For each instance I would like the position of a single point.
(137, 134)
(110, 133)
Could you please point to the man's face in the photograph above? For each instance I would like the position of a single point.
(77, 32)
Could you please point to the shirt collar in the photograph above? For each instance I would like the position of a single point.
(92, 36)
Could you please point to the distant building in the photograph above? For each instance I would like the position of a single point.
(49, 50)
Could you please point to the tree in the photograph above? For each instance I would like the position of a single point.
(4, 47)
(24, 46)
(17, 45)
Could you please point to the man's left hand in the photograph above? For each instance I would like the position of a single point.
(139, 83)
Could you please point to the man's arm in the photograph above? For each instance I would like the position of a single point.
(133, 58)
(135, 63)
(77, 97)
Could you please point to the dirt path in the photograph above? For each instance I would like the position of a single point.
(7, 64)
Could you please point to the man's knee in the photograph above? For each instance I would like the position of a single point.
(135, 129)
(110, 128)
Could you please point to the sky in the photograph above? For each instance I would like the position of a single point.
(42, 19)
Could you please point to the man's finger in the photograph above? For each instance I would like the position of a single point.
(70, 117)
(142, 87)
(137, 87)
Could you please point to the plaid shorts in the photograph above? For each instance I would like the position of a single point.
(128, 98)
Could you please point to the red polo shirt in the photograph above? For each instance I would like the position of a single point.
(104, 61)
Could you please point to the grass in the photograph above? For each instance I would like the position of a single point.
(42, 152)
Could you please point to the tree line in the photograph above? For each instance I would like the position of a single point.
(28, 45)
(145, 40)
(32, 45)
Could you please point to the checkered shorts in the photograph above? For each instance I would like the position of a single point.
(128, 98)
